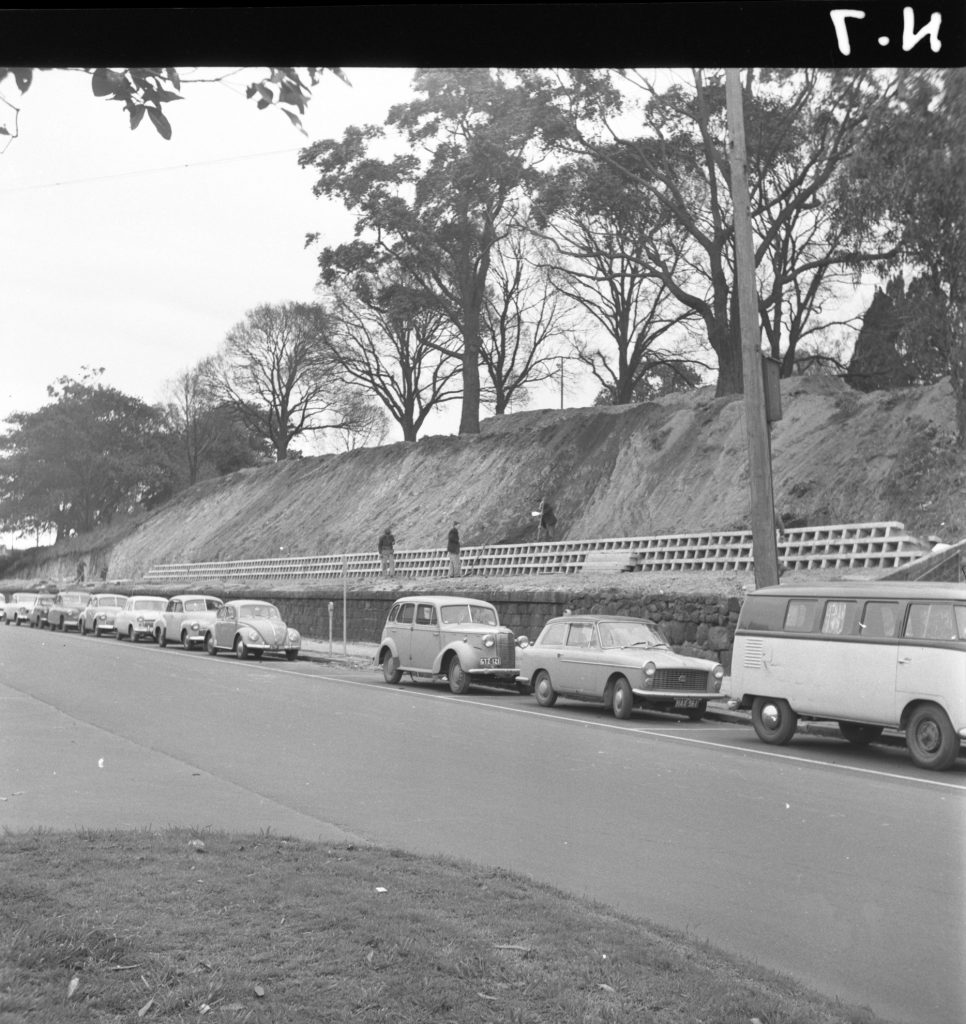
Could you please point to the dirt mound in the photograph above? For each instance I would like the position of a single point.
(671, 466)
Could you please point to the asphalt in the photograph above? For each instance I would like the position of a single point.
(362, 655)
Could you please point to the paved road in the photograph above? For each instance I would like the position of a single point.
(841, 867)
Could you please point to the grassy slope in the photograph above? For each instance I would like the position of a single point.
(671, 466)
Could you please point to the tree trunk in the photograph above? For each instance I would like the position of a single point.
(727, 346)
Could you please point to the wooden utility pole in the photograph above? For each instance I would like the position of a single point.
(763, 539)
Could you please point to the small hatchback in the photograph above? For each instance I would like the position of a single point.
(622, 662)
(66, 610)
(138, 616)
(457, 637)
(186, 620)
(100, 612)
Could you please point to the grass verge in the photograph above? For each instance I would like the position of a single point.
(187, 926)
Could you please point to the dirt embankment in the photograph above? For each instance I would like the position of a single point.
(671, 466)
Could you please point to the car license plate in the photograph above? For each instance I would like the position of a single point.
(490, 661)
(687, 702)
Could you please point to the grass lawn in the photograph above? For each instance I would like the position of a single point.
(187, 926)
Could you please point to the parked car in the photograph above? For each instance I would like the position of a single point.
(251, 627)
(138, 616)
(186, 619)
(66, 610)
(37, 616)
(457, 637)
(100, 612)
(17, 609)
(622, 662)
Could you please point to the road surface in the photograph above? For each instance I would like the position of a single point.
(840, 867)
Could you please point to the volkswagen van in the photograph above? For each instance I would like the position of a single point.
(869, 656)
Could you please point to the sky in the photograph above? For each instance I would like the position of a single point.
(125, 251)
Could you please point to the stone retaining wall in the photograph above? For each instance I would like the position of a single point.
(695, 624)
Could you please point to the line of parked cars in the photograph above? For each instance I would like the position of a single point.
(246, 628)
(619, 661)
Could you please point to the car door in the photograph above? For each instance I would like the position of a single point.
(171, 620)
(571, 669)
(225, 627)
(424, 636)
(401, 631)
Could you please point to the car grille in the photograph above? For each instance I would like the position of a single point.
(680, 679)
(506, 650)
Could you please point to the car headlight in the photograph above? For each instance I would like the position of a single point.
(522, 641)
(293, 637)
(717, 675)
(489, 640)
(649, 669)
(194, 626)
(250, 634)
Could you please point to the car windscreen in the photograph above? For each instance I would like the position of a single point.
(454, 614)
(258, 611)
(195, 606)
(111, 602)
(149, 605)
(629, 634)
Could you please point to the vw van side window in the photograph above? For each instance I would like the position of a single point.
(879, 619)
(928, 621)
(839, 618)
(425, 615)
(800, 617)
(406, 612)
(764, 613)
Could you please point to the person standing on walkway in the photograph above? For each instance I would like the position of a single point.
(453, 549)
(387, 554)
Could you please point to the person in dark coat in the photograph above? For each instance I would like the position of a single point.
(453, 550)
(387, 554)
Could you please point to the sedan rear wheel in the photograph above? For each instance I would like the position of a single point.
(543, 690)
(390, 670)
(622, 698)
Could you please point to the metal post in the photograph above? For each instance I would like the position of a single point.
(345, 605)
(331, 610)
(764, 541)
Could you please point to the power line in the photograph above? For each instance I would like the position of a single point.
(144, 171)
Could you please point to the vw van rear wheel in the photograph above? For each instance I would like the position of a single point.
(459, 681)
(931, 739)
(859, 734)
(390, 669)
(622, 699)
(773, 719)
(543, 690)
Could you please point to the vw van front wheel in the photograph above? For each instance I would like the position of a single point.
(773, 719)
(931, 739)
(459, 681)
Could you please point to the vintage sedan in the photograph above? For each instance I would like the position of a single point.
(37, 616)
(251, 628)
(138, 616)
(624, 663)
(186, 620)
(459, 638)
(17, 609)
(66, 610)
(100, 612)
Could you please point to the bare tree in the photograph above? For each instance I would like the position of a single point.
(275, 371)
(525, 319)
(391, 339)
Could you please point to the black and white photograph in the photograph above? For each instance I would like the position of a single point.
(483, 514)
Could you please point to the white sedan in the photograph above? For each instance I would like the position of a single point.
(138, 616)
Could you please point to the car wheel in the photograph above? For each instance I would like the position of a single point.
(773, 720)
(210, 644)
(459, 681)
(131, 635)
(162, 637)
(390, 670)
(931, 739)
(859, 734)
(543, 690)
(622, 698)
(185, 642)
(82, 627)
(241, 651)
(118, 635)
(696, 714)
(291, 655)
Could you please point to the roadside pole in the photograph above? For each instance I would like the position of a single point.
(763, 540)
(345, 605)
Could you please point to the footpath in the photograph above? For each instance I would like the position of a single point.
(362, 655)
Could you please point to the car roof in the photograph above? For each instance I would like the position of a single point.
(195, 597)
(449, 598)
(870, 589)
(247, 600)
(592, 617)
